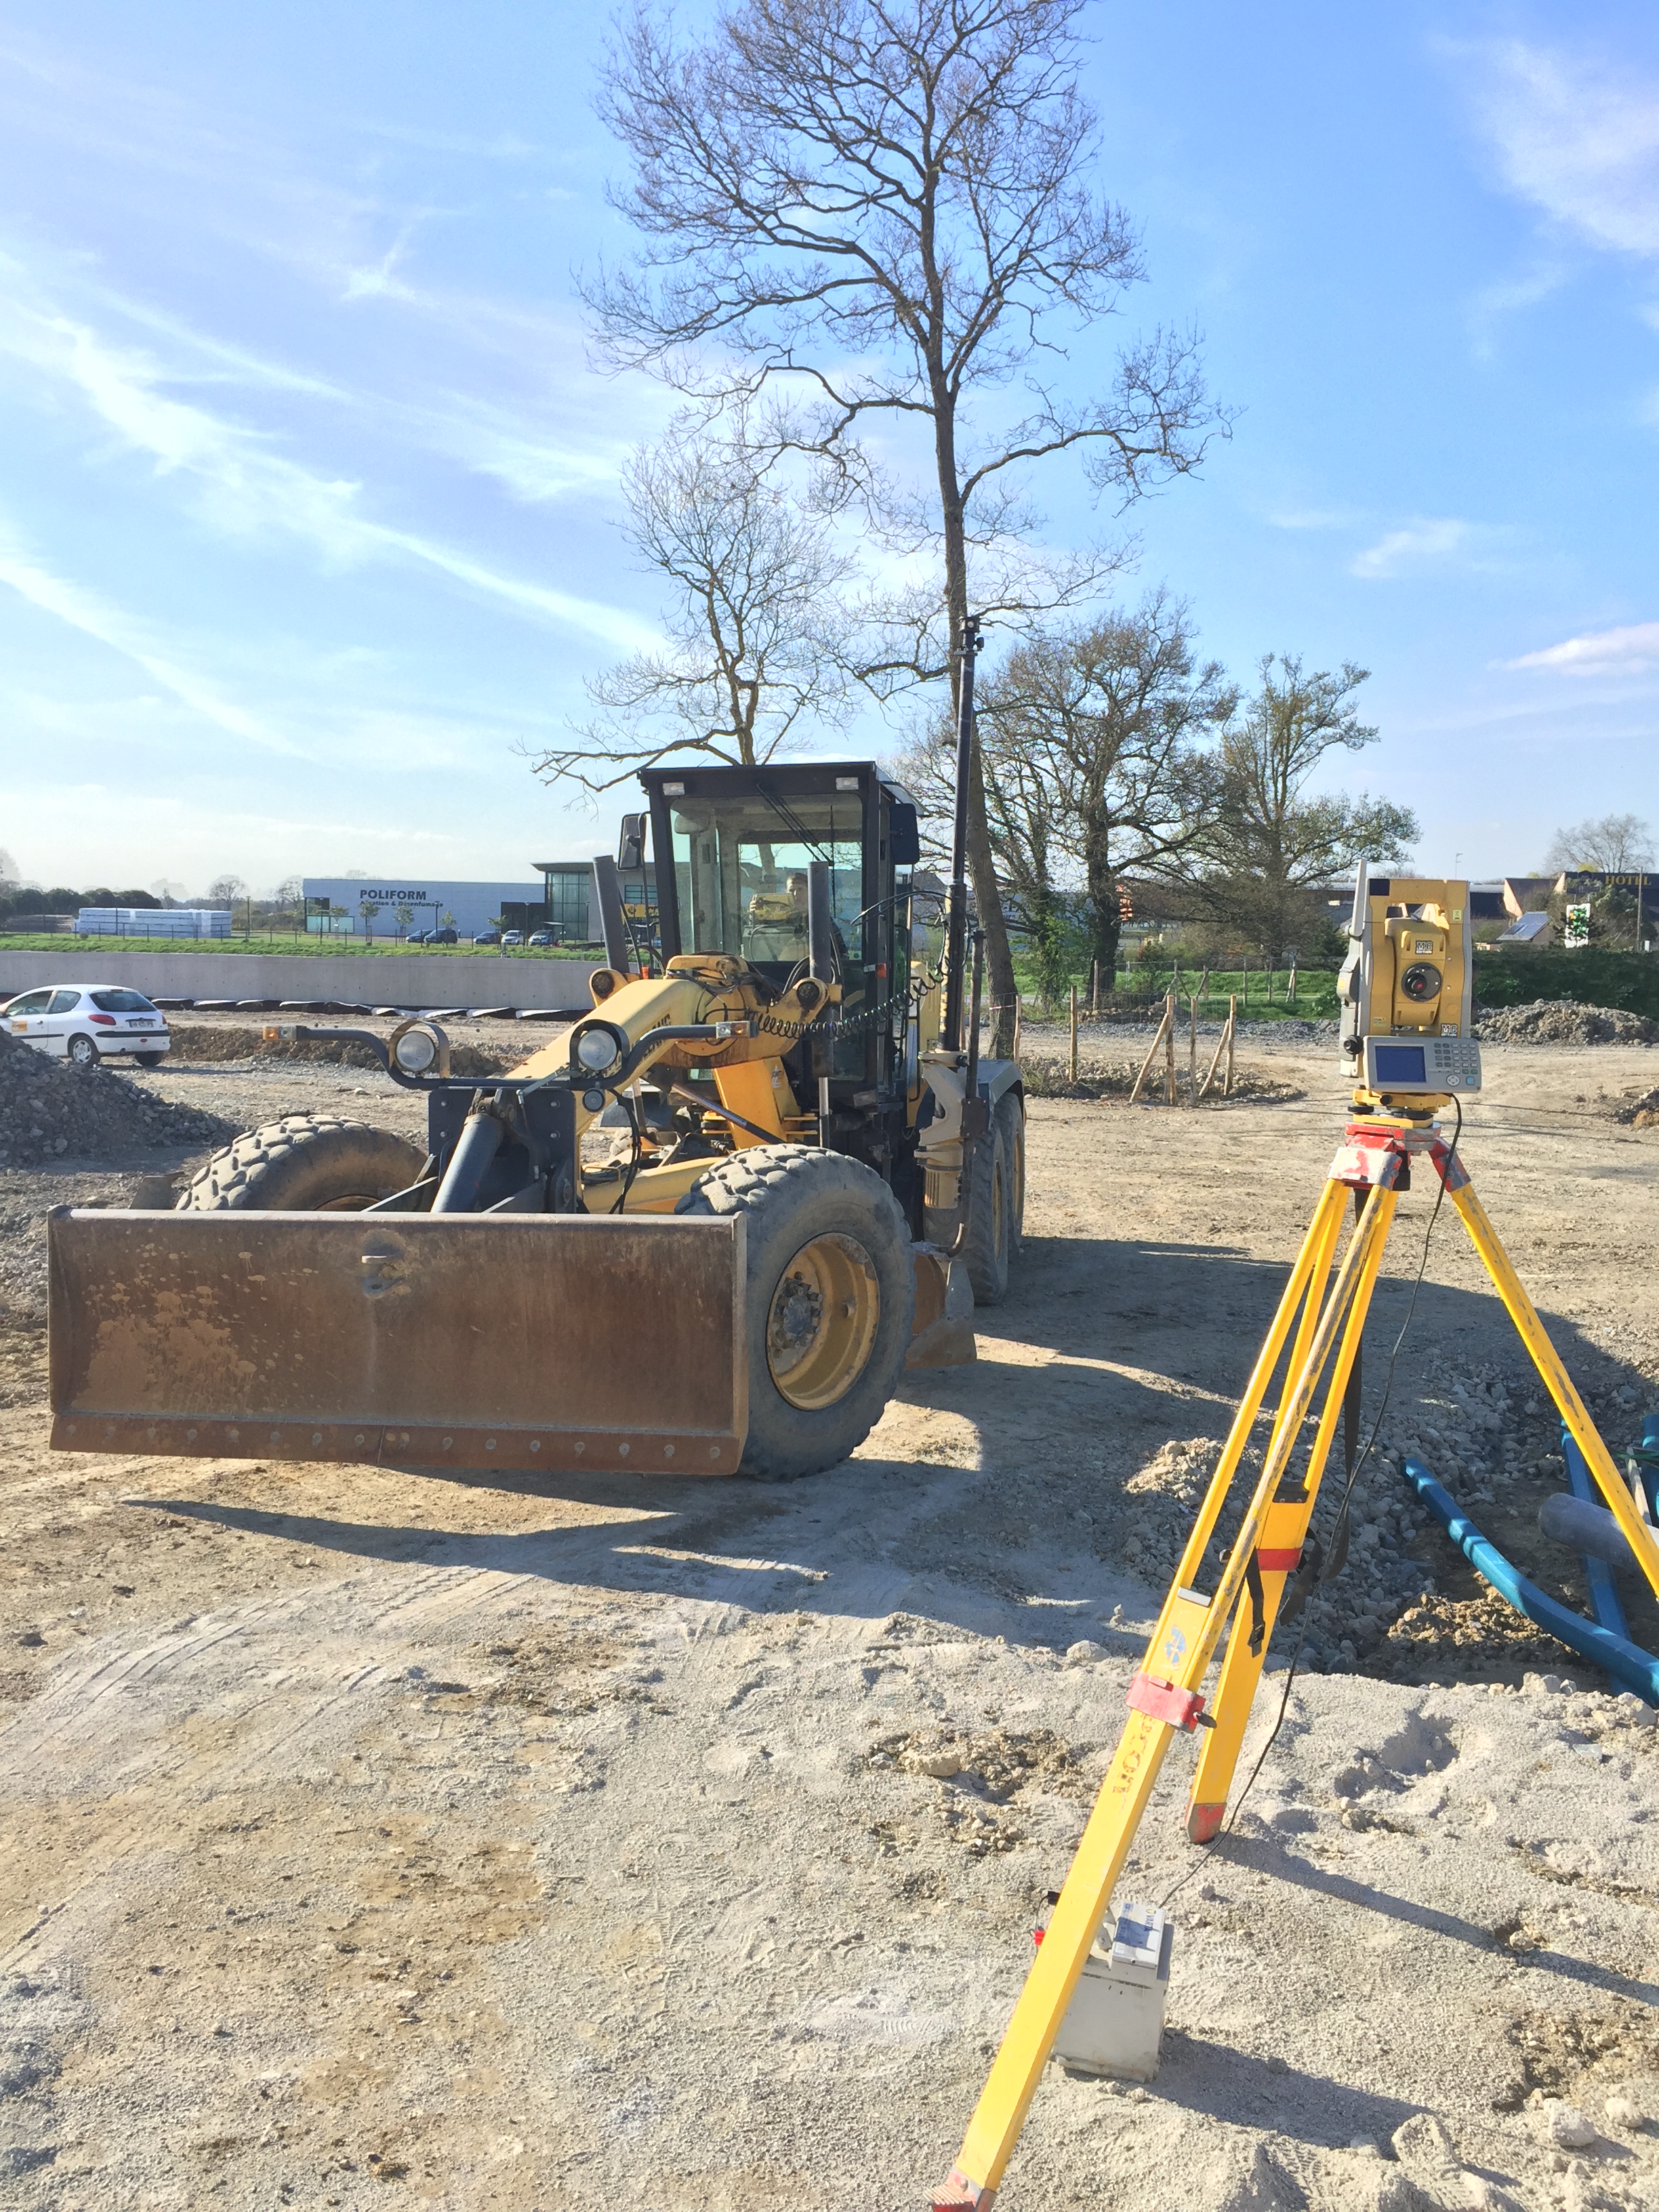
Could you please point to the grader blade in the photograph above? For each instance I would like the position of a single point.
(522, 1340)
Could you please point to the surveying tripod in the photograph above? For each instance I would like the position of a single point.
(1375, 1160)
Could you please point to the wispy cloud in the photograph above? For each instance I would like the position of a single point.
(124, 634)
(245, 487)
(1625, 652)
(1576, 135)
(1419, 544)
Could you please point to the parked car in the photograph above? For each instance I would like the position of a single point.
(513, 936)
(540, 937)
(488, 937)
(441, 936)
(89, 1022)
(418, 937)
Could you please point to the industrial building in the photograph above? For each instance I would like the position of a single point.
(396, 906)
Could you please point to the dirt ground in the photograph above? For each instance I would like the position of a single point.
(503, 1844)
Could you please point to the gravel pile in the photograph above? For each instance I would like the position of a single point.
(1641, 1113)
(1562, 1021)
(51, 1110)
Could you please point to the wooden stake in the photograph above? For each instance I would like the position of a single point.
(1290, 992)
(1169, 1054)
(1146, 1065)
(1016, 1008)
(1220, 1047)
(1075, 1032)
(1191, 1047)
(1232, 1024)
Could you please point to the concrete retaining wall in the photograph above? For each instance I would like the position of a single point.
(404, 979)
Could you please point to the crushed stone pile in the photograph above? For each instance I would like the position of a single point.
(1641, 1113)
(51, 1110)
(229, 1044)
(1491, 1437)
(1562, 1021)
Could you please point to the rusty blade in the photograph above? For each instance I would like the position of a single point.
(518, 1341)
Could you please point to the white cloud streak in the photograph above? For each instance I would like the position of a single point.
(1628, 651)
(246, 488)
(95, 617)
(1577, 137)
(1420, 545)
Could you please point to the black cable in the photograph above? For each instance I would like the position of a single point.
(637, 1155)
(1348, 1492)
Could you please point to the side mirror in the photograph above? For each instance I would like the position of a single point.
(630, 846)
(903, 834)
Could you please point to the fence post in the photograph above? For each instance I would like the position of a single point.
(1191, 1047)
(1232, 1025)
(1290, 989)
(1073, 1077)
(1169, 1054)
(1095, 991)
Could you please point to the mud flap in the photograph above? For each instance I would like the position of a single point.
(943, 1332)
(522, 1340)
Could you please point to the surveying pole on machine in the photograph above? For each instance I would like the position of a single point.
(1406, 991)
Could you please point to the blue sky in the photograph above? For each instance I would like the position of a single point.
(307, 496)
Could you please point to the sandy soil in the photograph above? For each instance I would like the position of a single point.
(362, 1833)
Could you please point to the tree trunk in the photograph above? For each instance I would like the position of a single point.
(1105, 917)
(982, 862)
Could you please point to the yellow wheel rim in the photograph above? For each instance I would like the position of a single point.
(822, 1323)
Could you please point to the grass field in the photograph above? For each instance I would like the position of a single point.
(1262, 995)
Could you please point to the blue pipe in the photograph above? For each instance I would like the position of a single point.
(1632, 1668)
(1598, 1575)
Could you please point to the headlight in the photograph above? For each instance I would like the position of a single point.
(596, 1049)
(416, 1051)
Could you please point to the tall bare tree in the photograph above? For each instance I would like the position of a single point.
(1617, 844)
(754, 620)
(1110, 720)
(1268, 839)
(886, 204)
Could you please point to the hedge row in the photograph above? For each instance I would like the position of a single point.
(1594, 978)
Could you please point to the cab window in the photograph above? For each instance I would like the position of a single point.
(741, 867)
(122, 1002)
(32, 1002)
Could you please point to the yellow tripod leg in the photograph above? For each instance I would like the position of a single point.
(1162, 1698)
(1556, 1381)
(1308, 1276)
(1285, 1530)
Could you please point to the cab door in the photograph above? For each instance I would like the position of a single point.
(25, 1017)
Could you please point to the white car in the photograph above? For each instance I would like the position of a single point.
(89, 1022)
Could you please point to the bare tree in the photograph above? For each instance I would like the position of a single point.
(758, 579)
(884, 203)
(1616, 844)
(225, 891)
(1267, 841)
(1110, 720)
(10, 879)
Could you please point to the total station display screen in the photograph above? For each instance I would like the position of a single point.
(1400, 1063)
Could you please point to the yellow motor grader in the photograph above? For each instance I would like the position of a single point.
(706, 1229)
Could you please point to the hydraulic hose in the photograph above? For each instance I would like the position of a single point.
(1627, 1663)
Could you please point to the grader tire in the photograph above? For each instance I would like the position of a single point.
(985, 1248)
(1011, 1120)
(830, 1303)
(304, 1163)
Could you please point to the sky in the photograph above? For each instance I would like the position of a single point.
(308, 482)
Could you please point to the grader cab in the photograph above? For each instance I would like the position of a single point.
(706, 1228)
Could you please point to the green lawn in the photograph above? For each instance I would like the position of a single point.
(1260, 996)
(337, 948)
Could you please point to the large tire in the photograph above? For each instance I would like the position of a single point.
(305, 1163)
(985, 1248)
(1011, 1120)
(830, 1302)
